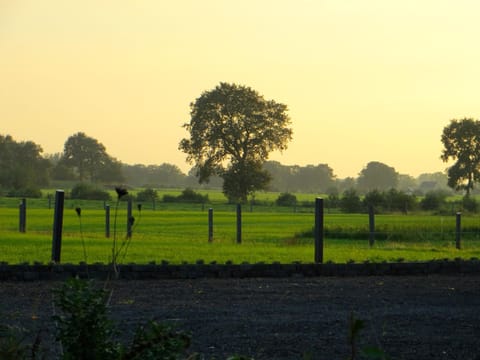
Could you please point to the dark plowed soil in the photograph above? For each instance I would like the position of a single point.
(418, 317)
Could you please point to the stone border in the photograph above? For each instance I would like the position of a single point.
(28, 272)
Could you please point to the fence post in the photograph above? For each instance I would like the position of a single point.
(319, 230)
(22, 216)
(210, 225)
(458, 231)
(239, 224)
(129, 218)
(107, 221)
(371, 225)
(57, 226)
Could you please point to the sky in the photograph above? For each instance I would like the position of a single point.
(369, 80)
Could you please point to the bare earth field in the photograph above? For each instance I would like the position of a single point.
(416, 317)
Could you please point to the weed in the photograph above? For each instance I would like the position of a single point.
(369, 352)
(84, 330)
(157, 341)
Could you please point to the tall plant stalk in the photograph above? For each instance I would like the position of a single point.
(121, 192)
(78, 210)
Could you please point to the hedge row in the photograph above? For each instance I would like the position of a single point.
(28, 272)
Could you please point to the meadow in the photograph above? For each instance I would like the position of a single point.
(179, 233)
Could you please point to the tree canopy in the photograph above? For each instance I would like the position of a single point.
(232, 131)
(377, 176)
(22, 166)
(89, 159)
(154, 175)
(294, 178)
(461, 143)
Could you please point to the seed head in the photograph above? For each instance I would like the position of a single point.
(121, 191)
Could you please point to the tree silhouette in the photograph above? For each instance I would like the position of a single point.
(461, 142)
(232, 131)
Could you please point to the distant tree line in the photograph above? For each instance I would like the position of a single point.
(23, 171)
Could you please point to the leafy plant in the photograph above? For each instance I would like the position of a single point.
(86, 332)
(84, 329)
(370, 352)
(157, 341)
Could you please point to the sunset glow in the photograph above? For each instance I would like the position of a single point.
(363, 80)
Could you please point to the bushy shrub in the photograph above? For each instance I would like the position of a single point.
(188, 195)
(83, 326)
(470, 204)
(433, 200)
(396, 200)
(374, 198)
(26, 192)
(88, 192)
(286, 199)
(147, 195)
(169, 198)
(86, 332)
(350, 202)
(333, 200)
(157, 341)
(388, 201)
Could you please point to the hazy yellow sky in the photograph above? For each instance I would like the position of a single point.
(364, 80)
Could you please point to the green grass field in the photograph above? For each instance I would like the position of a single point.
(179, 232)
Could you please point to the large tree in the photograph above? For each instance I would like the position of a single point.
(461, 143)
(232, 131)
(90, 160)
(314, 178)
(377, 176)
(21, 165)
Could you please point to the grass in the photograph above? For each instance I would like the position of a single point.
(178, 234)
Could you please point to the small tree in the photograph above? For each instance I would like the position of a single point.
(350, 202)
(433, 200)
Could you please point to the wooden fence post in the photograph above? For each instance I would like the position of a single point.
(319, 230)
(107, 221)
(129, 218)
(371, 225)
(210, 225)
(458, 231)
(57, 226)
(239, 224)
(22, 226)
